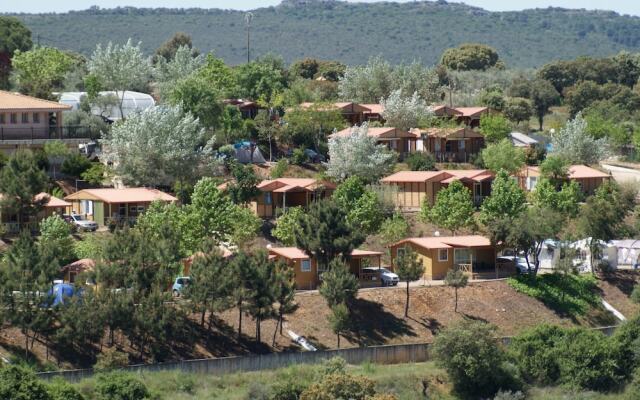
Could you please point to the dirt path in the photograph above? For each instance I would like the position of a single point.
(622, 174)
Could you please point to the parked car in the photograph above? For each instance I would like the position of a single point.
(81, 223)
(520, 263)
(179, 285)
(387, 278)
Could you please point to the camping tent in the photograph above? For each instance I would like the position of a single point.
(247, 153)
(628, 251)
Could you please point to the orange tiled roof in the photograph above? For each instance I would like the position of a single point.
(21, 102)
(128, 195)
(575, 172)
(52, 200)
(444, 176)
(446, 242)
(288, 184)
(376, 132)
(471, 111)
(374, 108)
(294, 253)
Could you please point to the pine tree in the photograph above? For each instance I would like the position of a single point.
(285, 290)
(339, 285)
(21, 179)
(456, 279)
(409, 268)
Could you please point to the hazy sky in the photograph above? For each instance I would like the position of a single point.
(621, 6)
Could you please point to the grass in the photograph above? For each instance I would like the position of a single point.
(568, 295)
(405, 381)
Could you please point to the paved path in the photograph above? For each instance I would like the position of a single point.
(622, 174)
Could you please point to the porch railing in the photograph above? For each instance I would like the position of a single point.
(47, 132)
(450, 156)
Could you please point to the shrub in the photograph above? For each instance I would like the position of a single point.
(95, 174)
(633, 389)
(588, 360)
(509, 395)
(287, 226)
(299, 157)
(627, 340)
(537, 354)
(75, 165)
(280, 168)
(340, 386)
(473, 359)
(110, 359)
(394, 228)
(334, 365)
(635, 294)
(120, 386)
(286, 390)
(421, 161)
(20, 383)
(60, 389)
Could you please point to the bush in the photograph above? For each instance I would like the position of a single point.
(110, 359)
(286, 390)
(536, 351)
(280, 168)
(20, 383)
(627, 340)
(473, 359)
(509, 395)
(421, 161)
(635, 294)
(299, 157)
(588, 360)
(334, 365)
(60, 389)
(287, 226)
(75, 165)
(95, 174)
(340, 386)
(394, 228)
(120, 386)
(633, 389)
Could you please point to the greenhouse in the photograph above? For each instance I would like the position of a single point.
(133, 102)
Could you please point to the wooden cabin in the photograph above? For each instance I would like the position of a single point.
(398, 140)
(459, 144)
(589, 179)
(279, 194)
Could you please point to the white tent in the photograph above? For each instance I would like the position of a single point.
(628, 251)
(133, 102)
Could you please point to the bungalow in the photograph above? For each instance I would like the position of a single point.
(589, 179)
(188, 262)
(52, 206)
(102, 205)
(288, 192)
(248, 109)
(470, 116)
(474, 255)
(374, 113)
(307, 273)
(395, 139)
(413, 187)
(457, 144)
(443, 111)
(26, 117)
(71, 271)
(352, 112)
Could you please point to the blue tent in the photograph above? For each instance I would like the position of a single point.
(60, 292)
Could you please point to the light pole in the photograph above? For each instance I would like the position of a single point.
(248, 17)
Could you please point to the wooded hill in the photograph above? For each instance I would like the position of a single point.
(351, 32)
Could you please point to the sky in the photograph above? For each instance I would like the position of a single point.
(33, 6)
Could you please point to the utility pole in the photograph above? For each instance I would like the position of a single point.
(248, 17)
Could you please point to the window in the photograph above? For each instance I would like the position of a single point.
(437, 145)
(443, 254)
(14, 118)
(401, 251)
(462, 256)
(447, 147)
(25, 118)
(2, 119)
(36, 118)
(305, 265)
(267, 198)
(140, 209)
(122, 210)
(532, 181)
(86, 207)
(461, 144)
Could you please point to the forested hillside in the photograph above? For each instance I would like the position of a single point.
(352, 32)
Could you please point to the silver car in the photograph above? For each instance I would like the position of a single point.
(82, 223)
(520, 263)
(387, 278)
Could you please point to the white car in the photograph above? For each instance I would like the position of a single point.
(82, 223)
(387, 278)
(519, 262)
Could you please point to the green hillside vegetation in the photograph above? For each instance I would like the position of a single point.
(351, 33)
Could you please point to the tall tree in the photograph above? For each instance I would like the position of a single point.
(41, 71)
(494, 128)
(241, 270)
(456, 279)
(261, 289)
(157, 146)
(14, 36)
(518, 110)
(169, 48)
(339, 285)
(543, 96)
(120, 68)
(453, 208)
(21, 179)
(507, 200)
(409, 268)
(340, 320)
(284, 294)
(503, 156)
(404, 112)
(325, 234)
(470, 56)
(244, 187)
(574, 144)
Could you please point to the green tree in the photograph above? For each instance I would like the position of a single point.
(75, 165)
(325, 233)
(20, 181)
(59, 389)
(507, 200)
(494, 128)
(339, 285)
(309, 126)
(268, 130)
(340, 320)
(55, 236)
(14, 36)
(169, 48)
(503, 156)
(56, 151)
(120, 68)
(199, 98)
(409, 268)
(287, 225)
(470, 56)
(284, 288)
(260, 287)
(555, 168)
(421, 161)
(453, 208)
(456, 279)
(473, 359)
(96, 174)
(259, 80)
(241, 269)
(17, 382)
(219, 75)
(244, 187)
(40, 71)
(518, 110)
(394, 228)
(493, 98)
(543, 96)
